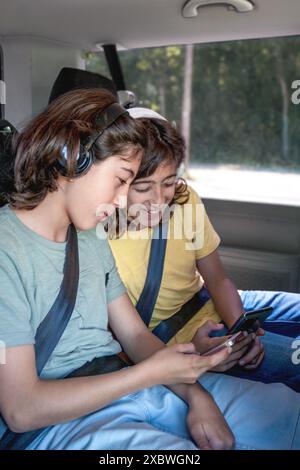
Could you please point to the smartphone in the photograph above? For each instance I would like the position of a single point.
(227, 344)
(251, 320)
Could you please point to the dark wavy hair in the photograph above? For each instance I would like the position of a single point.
(164, 145)
(67, 120)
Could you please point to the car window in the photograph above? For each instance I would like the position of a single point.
(242, 129)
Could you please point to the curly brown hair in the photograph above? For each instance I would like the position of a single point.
(64, 123)
(164, 145)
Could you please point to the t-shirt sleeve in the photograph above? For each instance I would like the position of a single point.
(206, 239)
(114, 286)
(211, 239)
(15, 312)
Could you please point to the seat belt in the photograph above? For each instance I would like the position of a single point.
(60, 313)
(147, 300)
(168, 328)
(55, 323)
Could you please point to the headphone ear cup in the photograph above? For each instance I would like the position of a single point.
(86, 156)
(84, 161)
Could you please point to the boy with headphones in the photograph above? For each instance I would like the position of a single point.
(73, 164)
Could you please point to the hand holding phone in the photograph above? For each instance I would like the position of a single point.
(229, 343)
(250, 321)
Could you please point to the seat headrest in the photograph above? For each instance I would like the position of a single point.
(70, 78)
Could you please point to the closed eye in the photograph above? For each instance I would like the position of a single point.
(142, 190)
(122, 181)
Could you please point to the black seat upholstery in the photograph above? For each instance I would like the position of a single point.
(71, 78)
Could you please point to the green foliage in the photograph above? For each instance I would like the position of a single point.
(237, 114)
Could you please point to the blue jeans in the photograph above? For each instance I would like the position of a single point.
(260, 416)
(282, 349)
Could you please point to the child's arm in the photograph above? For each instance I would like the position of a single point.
(205, 421)
(227, 302)
(140, 344)
(223, 292)
(28, 402)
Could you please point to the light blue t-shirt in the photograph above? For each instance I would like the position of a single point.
(31, 272)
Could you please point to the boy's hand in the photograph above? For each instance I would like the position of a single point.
(207, 425)
(180, 364)
(249, 350)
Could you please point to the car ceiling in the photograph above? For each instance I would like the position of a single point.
(143, 23)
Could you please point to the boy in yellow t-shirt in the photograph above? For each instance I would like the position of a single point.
(179, 282)
(192, 259)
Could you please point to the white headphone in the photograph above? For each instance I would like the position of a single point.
(138, 112)
(144, 113)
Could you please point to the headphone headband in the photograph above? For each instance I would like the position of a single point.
(105, 119)
(86, 157)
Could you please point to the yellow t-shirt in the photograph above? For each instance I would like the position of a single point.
(180, 280)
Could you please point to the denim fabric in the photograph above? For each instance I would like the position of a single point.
(282, 349)
(260, 416)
